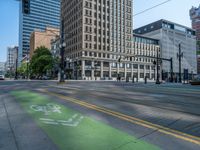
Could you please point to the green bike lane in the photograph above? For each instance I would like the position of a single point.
(70, 129)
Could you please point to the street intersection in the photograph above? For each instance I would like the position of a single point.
(83, 115)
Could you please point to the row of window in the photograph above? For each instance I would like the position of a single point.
(115, 57)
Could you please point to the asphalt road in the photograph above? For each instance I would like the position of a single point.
(166, 116)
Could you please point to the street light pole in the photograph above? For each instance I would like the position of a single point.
(62, 54)
(119, 62)
(171, 69)
(16, 75)
(154, 63)
(157, 79)
(27, 67)
(180, 56)
(77, 69)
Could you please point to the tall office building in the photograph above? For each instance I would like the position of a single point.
(101, 34)
(195, 17)
(36, 14)
(171, 35)
(12, 54)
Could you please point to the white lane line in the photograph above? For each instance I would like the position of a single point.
(46, 119)
(50, 122)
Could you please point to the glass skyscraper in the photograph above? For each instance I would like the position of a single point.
(42, 13)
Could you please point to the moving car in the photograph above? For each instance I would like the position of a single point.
(2, 77)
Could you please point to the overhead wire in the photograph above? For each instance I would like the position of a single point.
(152, 7)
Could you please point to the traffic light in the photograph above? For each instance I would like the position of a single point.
(26, 6)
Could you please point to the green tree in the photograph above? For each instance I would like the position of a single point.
(22, 70)
(41, 62)
(198, 46)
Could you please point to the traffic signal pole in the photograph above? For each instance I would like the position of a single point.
(171, 70)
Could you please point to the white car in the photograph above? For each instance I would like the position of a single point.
(2, 77)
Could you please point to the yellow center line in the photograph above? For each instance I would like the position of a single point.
(162, 129)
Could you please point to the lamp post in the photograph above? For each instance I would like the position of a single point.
(180, 56)
(27, 64)
(68, 61)
(16, 75)
(119, 62)
(77, 68)
(154, 63)
(62, 46)
(157, 78)
(62, 51)
(171, 69)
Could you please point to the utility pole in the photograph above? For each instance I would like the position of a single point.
(77, 68)
(16, 64)
(118, 74)
(62, 46)
(171, 70)
(180, 56)
(157, 79)
(27, 67)
(16, 75)
(154, 63)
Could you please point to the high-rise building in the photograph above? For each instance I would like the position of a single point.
(195, 17)
(12, 58)
(171, 35)
(36, 14)
(101, 33)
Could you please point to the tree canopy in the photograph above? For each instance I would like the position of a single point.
(41, 62)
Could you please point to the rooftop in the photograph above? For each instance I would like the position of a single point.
(163, 24)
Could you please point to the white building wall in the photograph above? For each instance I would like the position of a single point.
(169, 40)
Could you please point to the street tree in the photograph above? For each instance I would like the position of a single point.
(41, 62)
(198, 46)
(22, 70)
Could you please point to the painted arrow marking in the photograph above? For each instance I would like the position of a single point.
(73, 121)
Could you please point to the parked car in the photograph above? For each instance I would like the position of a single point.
(45, 78)
(2, 77)
(196, 80)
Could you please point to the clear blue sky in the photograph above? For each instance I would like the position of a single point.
(175, 10)
(9, 26)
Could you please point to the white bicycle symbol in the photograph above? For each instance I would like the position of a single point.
(47, 109)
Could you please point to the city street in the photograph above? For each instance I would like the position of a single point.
(98, 115)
